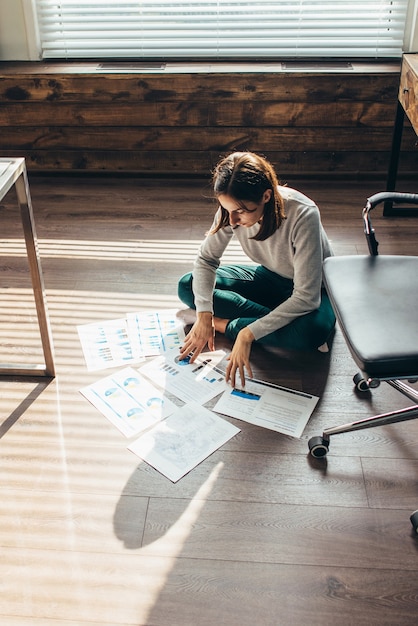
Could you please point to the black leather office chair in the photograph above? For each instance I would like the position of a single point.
(375, 299)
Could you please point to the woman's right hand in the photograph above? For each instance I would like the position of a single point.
(201, 333)
(239, 359)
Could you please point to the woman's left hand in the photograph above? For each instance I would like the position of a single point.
(239, 359)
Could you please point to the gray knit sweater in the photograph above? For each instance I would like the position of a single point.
(296, 251)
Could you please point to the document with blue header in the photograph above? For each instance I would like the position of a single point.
(263, 404)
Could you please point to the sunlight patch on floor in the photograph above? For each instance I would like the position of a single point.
(151, 250)
(20, 340)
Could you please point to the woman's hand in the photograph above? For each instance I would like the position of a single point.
(201, 333)
(239, 359)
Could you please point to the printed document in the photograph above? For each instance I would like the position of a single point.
(129, 340)
(154, 333)
(198, 381)
(270, 406)
(106, 344)
(182, 441)
(129, 401)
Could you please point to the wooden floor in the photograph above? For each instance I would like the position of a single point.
(259, 534)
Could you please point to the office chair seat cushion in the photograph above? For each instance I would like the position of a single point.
(375, 299)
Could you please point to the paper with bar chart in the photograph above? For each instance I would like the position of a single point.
(130, 340)
(199, 381)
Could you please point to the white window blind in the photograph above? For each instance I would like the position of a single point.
(220, 29)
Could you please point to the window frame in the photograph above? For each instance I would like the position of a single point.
(33, 43)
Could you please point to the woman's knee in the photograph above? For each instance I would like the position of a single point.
(326, 315)
(321, 324)
(185, 291)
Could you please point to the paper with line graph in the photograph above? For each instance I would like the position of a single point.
(198, 381)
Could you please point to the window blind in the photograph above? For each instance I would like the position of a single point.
(220, 29)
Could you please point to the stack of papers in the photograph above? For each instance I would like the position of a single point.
(143, 402)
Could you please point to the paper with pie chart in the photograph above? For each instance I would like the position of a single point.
(129, 401)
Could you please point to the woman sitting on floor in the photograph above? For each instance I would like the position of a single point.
(279, 301)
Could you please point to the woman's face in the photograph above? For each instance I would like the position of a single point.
(244, 213)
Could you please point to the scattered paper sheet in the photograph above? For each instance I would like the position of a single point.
(198, 381)
(154, 333)
(182, 441)
(129, 401)
(106, 344)
(129, 340)
(270, 406)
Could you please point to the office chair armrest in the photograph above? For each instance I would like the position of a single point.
(391, 196)
(372, 202)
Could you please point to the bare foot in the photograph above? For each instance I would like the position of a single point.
(187, 316)
(220, 324)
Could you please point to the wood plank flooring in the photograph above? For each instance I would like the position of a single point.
(259, 533)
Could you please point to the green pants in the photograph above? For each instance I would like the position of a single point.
(243, 294)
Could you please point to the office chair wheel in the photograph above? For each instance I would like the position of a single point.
(318, 447)
(414, 520)
(360, 383)
(364, 385)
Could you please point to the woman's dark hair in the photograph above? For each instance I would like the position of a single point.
(245, 176)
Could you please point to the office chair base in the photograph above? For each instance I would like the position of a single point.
(364, 384)
(319, 446)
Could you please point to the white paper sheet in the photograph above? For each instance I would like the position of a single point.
(270, 406)
(183, 440)
(106, 344)
(154, 333)
(129, 401)
(129, 340)
(197, 381)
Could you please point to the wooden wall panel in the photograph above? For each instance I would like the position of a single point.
(333, 114)
(309, 124)
(197, 162)
(127, 138)
(87, 85)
